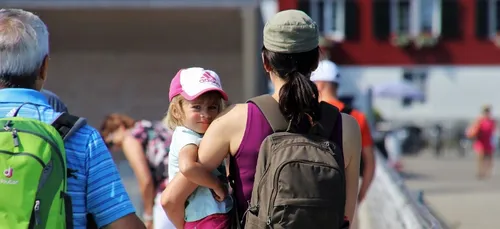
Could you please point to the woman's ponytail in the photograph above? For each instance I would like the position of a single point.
(298, 99)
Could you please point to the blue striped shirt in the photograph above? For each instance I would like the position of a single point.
(97, 188)
(55, 101)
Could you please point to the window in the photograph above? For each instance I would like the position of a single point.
(417, 78)
(488, 18)
(329, 14)
(451, 25)
(415, 17)
(412, 18)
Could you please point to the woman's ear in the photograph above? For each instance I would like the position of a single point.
(315, 66)
(267, 68)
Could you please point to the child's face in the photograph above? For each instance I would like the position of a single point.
(200, 112)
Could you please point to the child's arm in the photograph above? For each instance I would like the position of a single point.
(189, 166)
(174, 197)
(227, 163)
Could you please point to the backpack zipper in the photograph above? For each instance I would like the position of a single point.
(37, 212)
(36, 207)
(15, 137)
(39, 160)
(51, 143)
(54, 147)
(325, 146)
(261, 182)
(274, 193)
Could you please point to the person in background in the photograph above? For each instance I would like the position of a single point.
(146, 147)
(438, 146)
(482, 130)
(95, 187)
(326, 77)
(54, 101)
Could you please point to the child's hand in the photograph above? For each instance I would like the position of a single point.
(220, 192)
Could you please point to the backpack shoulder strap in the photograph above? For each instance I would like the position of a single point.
(67, 124)
(329, 115)
(270, 109)
(347, 109)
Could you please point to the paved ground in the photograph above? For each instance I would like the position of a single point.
(130, 184)
(449, 186)
(452, 190)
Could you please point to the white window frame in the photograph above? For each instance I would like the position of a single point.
(492, 22)
(415, 25)
(339, 33)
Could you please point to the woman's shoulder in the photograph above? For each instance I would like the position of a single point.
(230, 121)
(140, 126)
(351, 137)
(143, 124)
(349, 124)
(233, 112)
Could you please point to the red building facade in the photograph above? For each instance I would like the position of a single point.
(466, 35)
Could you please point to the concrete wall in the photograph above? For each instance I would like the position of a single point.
(123, 60)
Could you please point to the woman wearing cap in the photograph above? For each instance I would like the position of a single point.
(289, 55)
(483, 131)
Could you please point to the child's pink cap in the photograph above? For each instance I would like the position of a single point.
(193, 82)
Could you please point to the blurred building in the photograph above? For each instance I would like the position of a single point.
(448, 48)
(120, 55)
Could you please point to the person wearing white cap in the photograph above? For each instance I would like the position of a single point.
(196, 98)
(327, 79)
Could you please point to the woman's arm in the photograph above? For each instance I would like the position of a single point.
(351, 136)
(473, 130)
(174, 197)
(214, 147)
(135, 155)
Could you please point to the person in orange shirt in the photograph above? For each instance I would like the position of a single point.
(326, 77)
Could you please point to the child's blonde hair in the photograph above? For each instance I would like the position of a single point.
(175, 113)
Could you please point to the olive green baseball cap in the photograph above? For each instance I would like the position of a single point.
(291, 31)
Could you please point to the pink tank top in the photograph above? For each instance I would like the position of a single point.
(244, 162)
(485, 133)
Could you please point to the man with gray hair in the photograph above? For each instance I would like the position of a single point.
(93, 182)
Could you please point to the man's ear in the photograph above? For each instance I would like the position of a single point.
(42, 74)
(43, 69)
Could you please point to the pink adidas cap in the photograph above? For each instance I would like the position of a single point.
(193, 82)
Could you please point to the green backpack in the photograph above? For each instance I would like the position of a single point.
(33, 184)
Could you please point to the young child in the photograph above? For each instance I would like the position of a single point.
(196, 98)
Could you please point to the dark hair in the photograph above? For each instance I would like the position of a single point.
(298, 98)
(18, 81)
